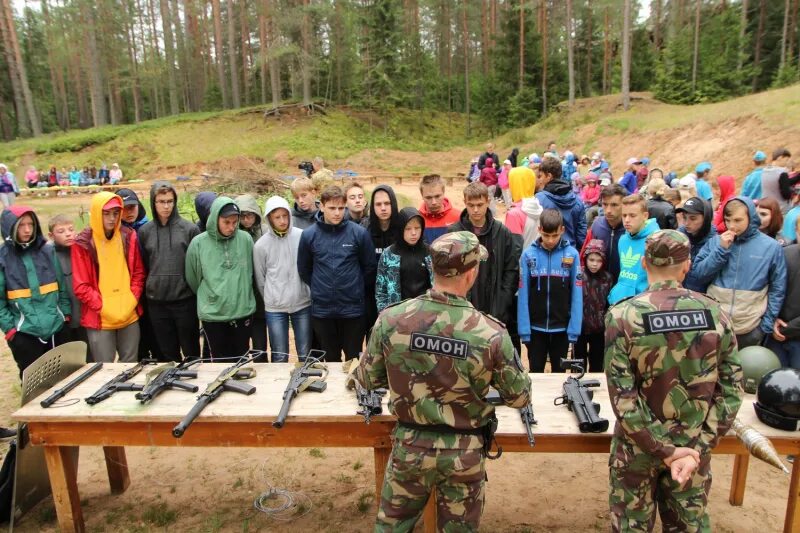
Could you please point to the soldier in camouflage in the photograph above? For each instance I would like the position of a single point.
(674, 378)
(438, 356)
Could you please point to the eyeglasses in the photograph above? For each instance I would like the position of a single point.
(165, 202)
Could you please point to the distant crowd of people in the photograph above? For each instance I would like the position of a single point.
(69, 180)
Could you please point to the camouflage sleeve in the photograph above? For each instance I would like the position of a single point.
(508, 375)
(371, 371)
(633, 414)
(727, 396)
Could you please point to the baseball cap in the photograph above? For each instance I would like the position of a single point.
(455, 253)
(128, 197)
(633, 161)
(597, 156)
(229, 209)
(759, 156)
(507, 162)
(687, 182)
(692, 206)
(605, 182)
(114, 201)
(705, 166)
(666, 247)
(645, 161)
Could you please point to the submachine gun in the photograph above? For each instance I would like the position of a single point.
(525, 413)
(227, 380)
(168, 376)
(120, 382)
(369, 401)
(307, 375)
(578, 398)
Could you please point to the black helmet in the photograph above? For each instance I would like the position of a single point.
(778, 399)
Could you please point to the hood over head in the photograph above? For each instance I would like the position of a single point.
(727, 188)
(99, 201)
(9, 220)
(129, 197)
(708, 217)
(755, 220)
(157, 186)
(406, 215)
(273, 203)
(595, 246)
(561, 193)
(394, 224)
(248, 204)
(202, 206)
(212, 226)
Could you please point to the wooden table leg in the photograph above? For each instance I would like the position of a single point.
(117, 466)
(429, 515)
(739, 479)
(381, 458)
(791, 524)
(64, 483)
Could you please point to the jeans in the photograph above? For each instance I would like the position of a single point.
(278, 328)
(787, 351)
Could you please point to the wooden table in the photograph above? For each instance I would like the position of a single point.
(328, 419)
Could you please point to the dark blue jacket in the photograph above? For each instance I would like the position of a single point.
(692, 281)
(610, 236)
(558, 195)
(337, 263)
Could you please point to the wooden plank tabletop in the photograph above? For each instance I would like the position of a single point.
(336, 404)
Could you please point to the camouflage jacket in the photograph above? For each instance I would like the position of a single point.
(438, 356)
(674, 374)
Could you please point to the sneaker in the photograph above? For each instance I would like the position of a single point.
(7, 433)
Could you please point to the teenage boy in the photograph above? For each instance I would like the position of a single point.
(356, 202)
(483, 160)
(498, 277)
(752, 183)
(219, 270)
(550, 299)
(171, 304)
(697, 216)
(775, 181)
(703, 187)
(286, 298)
(306, 205)
(34, 300)
(608, 228)
(250, 223)
(336, 259)
(133, 214)
(62, 235)
(108, 278)
(632, 277)
(556, 193)
(436, 210)
(382, 224)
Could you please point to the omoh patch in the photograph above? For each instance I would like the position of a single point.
(455, 348)
(670, 321)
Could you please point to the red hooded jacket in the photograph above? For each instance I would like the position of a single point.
(727, 190)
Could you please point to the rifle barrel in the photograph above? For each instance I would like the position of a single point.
(198, 407)
(60, 393)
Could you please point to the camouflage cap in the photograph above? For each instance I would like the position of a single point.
(667, 247)
(455, 253)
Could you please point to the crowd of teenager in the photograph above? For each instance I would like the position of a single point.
(324, 264)
(71, 180)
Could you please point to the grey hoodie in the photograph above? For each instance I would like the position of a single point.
(275, 265)
(164, 252)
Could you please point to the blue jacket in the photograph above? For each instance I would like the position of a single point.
(550, 297)
(558, 195)
(630, 182)
(632, 277)
(749, 278)
(703, 189)
(698, 241)
(336, 262)
(789, 230)
(752, 184)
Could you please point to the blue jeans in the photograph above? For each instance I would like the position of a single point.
(278, 328)
(788, 351)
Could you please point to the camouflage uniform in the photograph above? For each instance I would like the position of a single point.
(674, 379)
(438, 356)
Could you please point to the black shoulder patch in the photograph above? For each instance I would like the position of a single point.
(678, 321)
(455, 348)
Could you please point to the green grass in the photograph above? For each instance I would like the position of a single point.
(159, 515)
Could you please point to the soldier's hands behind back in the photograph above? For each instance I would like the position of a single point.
(681, 452)
(682, 469)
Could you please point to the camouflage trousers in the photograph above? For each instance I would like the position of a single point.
(639, 483)
(412, 473)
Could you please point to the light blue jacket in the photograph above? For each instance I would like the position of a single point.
(632, 277)
(752, 184)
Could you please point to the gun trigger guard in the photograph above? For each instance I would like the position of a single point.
(561, 400)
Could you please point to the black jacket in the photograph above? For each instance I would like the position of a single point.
(164, 252)
(496, 163)
(663, 212)
(498, 277)
(790, 312)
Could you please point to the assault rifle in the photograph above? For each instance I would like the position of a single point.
(308, 375)
(578, 399)
(227, 380)
(369, 401)
(168, 376)
(120, 382)
(525, 413)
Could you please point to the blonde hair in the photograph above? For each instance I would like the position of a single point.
(302, 185)
(657, 187)
(686, 194)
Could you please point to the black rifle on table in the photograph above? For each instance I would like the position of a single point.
(168, 376)
(120, 382)
(308, 375)
(227, 380)
(60, 393)
(369, 402)
(578, 399)
(525, 413)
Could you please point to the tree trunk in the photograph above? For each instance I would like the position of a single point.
(169, 57)
(305, 55)
(6, 130)
(262, 56)
(657, 25)
(521, 45)
(157, 58)
(23, 124)
(236, 96)
(785, 32)
(465, 31)
(49, 40)
(626, 55)
(223, 83)
(543, 31)
(180, 50)
(245, 33)
(570, 55)
(484, 38)
(742, 36)
(137, 99)
(274, 65)
(696, 53)
(27, 96)
(194, 55)
(606, 50)
(96, 87)
(792, 30)
(762, 17)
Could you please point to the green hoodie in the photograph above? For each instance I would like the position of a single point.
(220, 271)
